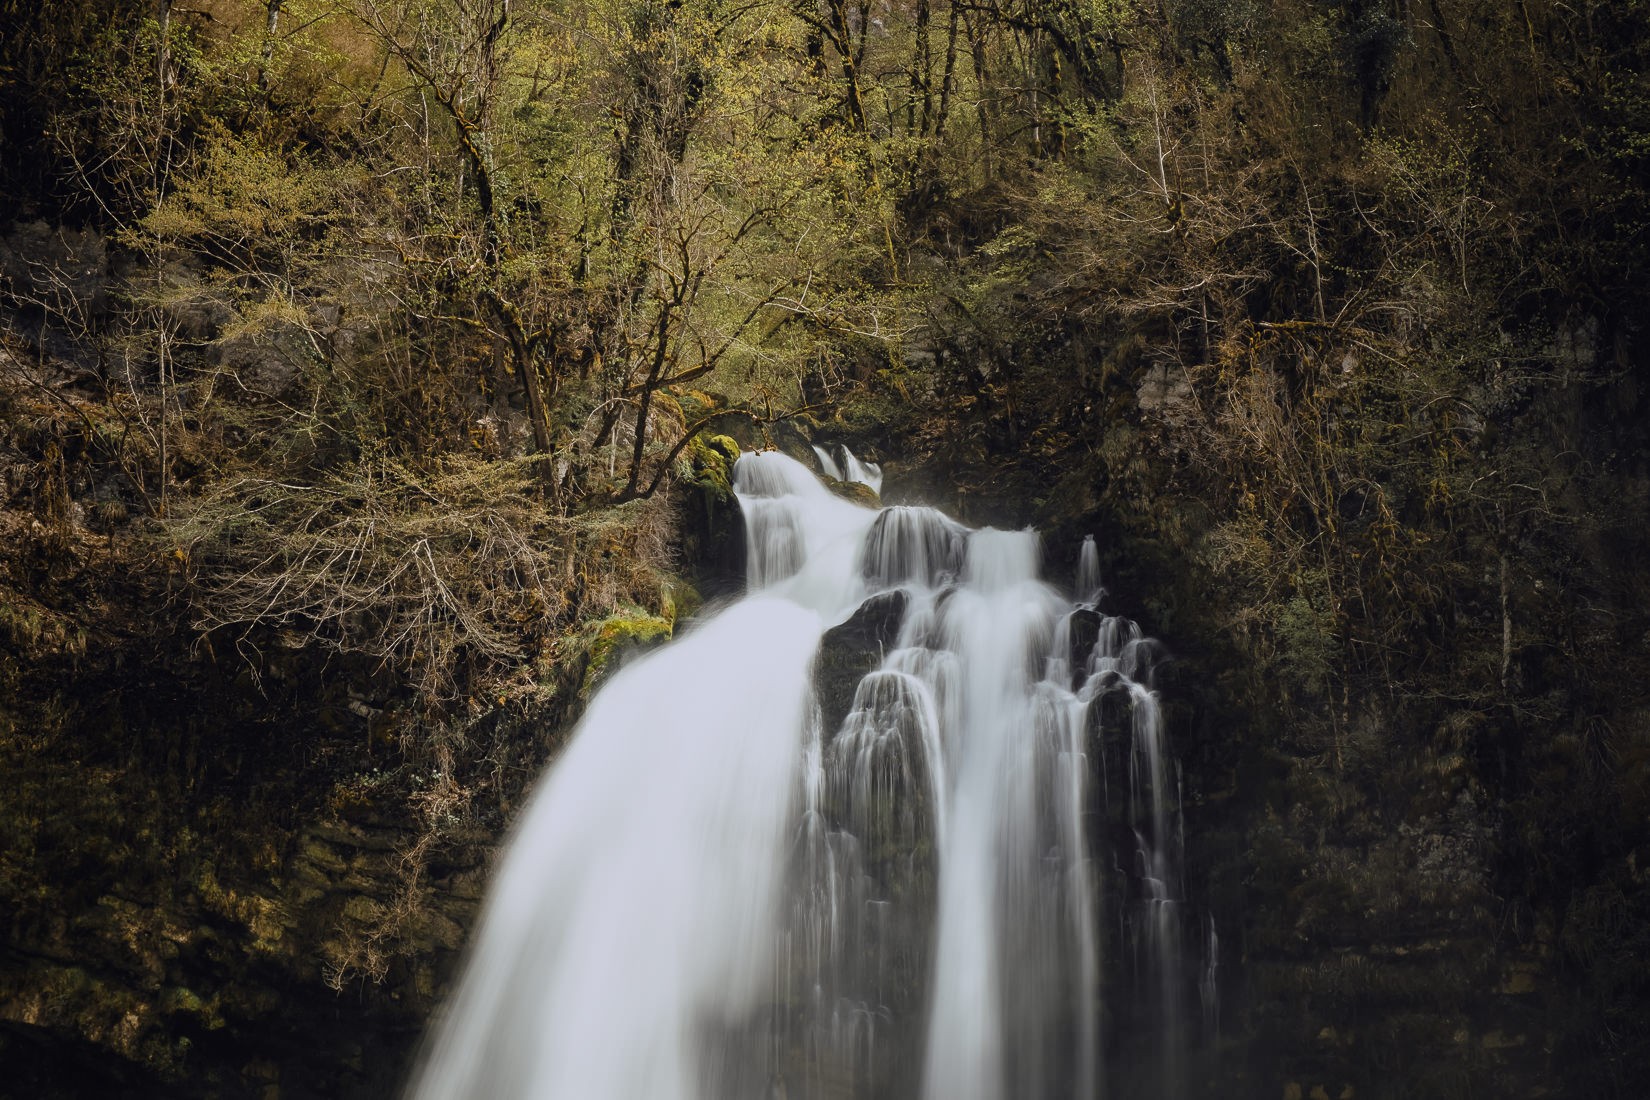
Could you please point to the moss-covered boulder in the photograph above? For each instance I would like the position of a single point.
(618, 637)
(856, 491)
(725, 446)
(707, 465)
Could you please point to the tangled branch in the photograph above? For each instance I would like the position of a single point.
(445, 576)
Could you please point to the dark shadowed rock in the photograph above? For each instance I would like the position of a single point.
(849, 651)
(1085, 631)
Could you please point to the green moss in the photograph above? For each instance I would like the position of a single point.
(614, 637)
(725, 446)
(709, 467)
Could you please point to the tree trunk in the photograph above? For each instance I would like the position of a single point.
(271, 22)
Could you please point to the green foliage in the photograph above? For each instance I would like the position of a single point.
(1306, 639)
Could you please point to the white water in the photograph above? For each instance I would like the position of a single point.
(828, 462)
(713, 897)
(840, 464)
(866, 473)
(1088, 571)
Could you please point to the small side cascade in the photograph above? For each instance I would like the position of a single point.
(801, 540)
(1143, 808)
(1088, 572)
(968, 886)
(838, 463)
(866, 473)
(828, 463)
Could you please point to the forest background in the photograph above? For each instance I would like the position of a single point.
(371, 369)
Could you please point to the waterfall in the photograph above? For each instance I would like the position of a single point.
(840, 464)
(718, 895)
(828, 462)
(866, 473)
(1088, 571)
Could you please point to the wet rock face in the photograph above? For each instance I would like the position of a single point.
(849, 651)
(882, 854)
(1085, 631)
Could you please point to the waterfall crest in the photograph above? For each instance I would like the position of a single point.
(716, 896)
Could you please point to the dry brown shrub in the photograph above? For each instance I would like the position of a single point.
(450, 577)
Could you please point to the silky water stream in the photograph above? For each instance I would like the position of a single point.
(717, 895)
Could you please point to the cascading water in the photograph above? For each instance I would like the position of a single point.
(828, 462)
(1088, 572)
(866, 473)
(717, 896)
(840, 464)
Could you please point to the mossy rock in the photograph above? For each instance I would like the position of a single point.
(37, 630)
(617, 636)
(709, 466)
(726, 446)
(855, 491)
(710, 531)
